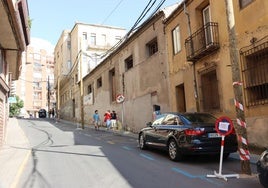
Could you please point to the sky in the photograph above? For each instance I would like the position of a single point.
(51, 17)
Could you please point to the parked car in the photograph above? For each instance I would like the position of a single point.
(186, 134)
(262, 168)
(42, 113)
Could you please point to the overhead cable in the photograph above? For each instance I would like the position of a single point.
(112, 12)
(142, 15)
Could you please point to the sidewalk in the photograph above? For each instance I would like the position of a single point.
(13, 155)
(16, 151)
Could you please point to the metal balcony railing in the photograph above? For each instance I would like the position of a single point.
(203, 42)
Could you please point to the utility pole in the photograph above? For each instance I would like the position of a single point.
(58, 94)
(48, 96)
(240, 126)
(81, 88)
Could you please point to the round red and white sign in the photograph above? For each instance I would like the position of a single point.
(120, 98)
(224, 126)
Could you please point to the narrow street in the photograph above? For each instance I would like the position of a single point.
(60, 155)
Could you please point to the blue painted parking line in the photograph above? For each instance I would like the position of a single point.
(126, 148)
(147, 157)
(188, 175)
(183, 173)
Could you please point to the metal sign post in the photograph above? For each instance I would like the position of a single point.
(224, 126)
(120, 99)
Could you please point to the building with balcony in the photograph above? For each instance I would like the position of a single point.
(200, 65)
(14, 37)
(180, 60)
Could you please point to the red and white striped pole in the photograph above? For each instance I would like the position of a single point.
(243, 152)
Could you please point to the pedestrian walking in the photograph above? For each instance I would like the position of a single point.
(96, 119)
(53, 113)
(113, 119)
(107, 119)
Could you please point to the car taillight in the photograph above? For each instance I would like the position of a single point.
(194, 132)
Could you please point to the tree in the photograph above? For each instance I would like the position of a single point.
(14, 108)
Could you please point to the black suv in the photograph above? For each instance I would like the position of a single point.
(42, 113)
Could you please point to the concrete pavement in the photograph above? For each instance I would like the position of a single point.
(13, 155)
(16, 151)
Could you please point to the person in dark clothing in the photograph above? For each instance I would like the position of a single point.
(113, 119)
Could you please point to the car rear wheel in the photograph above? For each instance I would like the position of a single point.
(173, 151)
(142, 144)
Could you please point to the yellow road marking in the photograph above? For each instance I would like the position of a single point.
(20, 171)
(110, 142)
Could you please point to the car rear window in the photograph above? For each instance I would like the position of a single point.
(159, 120)
(199, 118)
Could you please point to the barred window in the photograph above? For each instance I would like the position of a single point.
(254, 60)
(129, 63)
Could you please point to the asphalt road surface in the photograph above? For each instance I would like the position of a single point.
(61, 156)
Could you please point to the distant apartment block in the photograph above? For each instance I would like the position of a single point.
(35, 84)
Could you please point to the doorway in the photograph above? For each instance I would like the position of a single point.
(73, 108)
(180, 98)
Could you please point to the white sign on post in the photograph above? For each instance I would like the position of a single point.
(120, 98)
(224, 126)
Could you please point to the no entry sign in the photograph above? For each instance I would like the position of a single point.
(224, 126)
